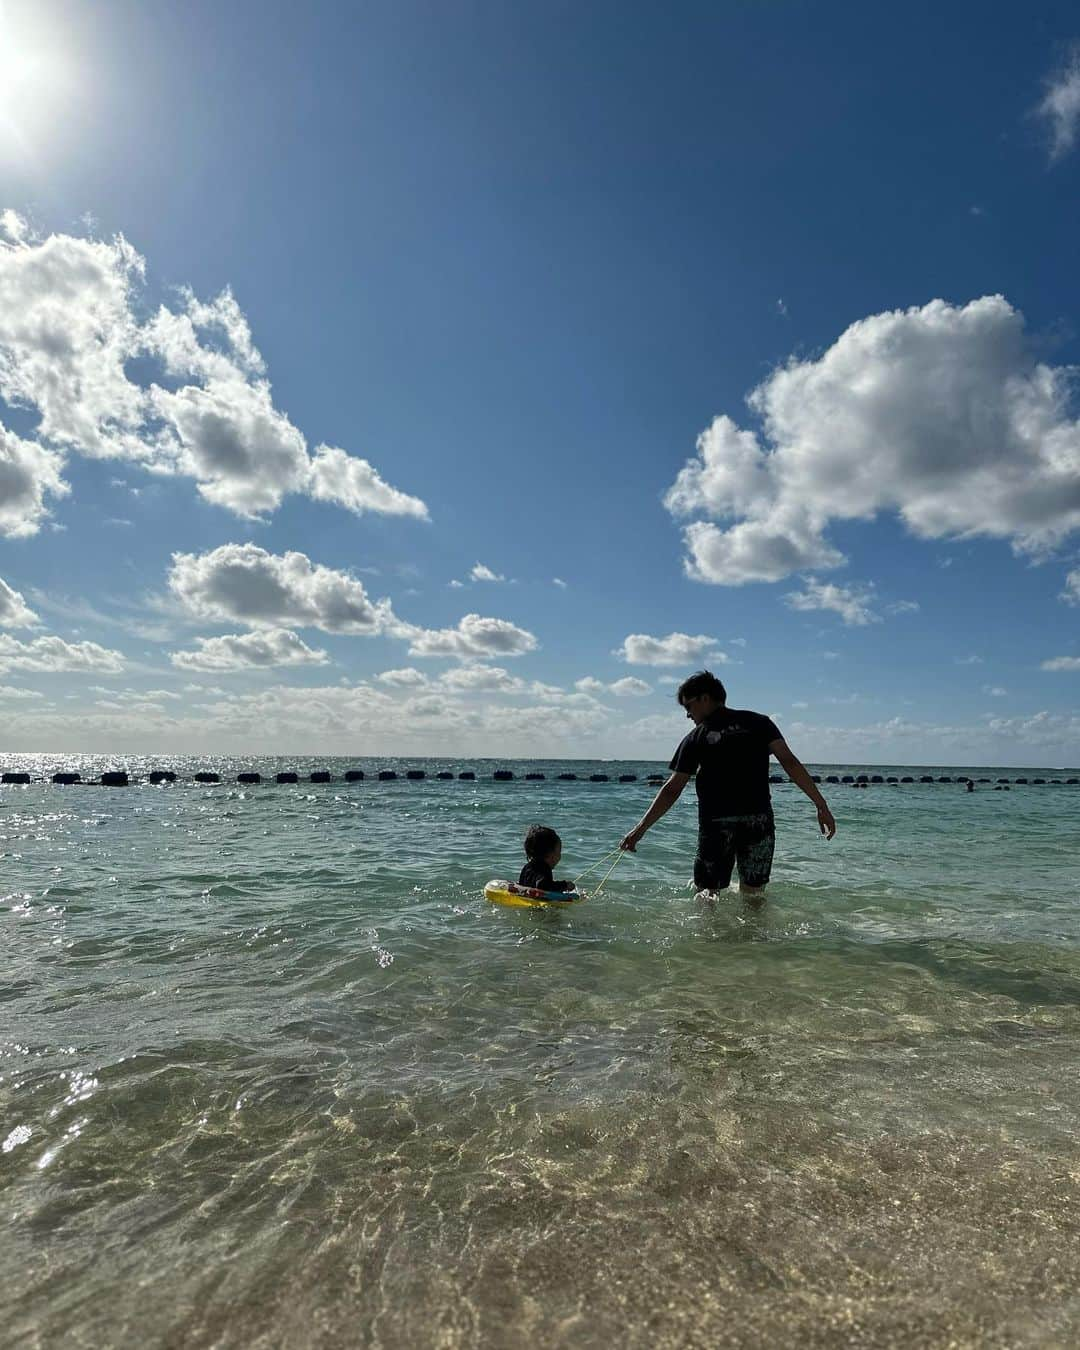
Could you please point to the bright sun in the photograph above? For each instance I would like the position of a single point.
(36, 72)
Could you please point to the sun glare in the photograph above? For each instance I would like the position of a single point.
(36, 76)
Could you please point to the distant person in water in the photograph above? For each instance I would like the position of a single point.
(543, 850)
(728, 751)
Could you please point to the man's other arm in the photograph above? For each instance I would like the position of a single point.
(662, 803)
(796, 771)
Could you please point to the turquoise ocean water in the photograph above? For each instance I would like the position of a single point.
(273, 1073)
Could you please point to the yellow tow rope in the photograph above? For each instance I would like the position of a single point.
(617, 852)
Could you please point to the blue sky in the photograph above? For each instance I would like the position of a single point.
(375, 378)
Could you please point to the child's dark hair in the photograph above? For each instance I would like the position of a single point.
(540, 840)
(702, 682)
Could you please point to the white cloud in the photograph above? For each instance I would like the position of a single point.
(1061, 106)
(28, 474)
(558, 581)
(1071, 593)
(474, 636)
(994, 690)
(852, 603)
(9, 694)
(244, 582)
(406, 678)
(480, 572)
(589, 684)
(139, 695)
(66, 330)
(69, 329)
(903, 607)
(941, 413)
(971, 660)
(677, 649)
(245, 651)
(1053, 730)
(628, 687)
(14, 611)
(244, 454)
(353, 483)
(1062, 663)
(13, 227)
(482, 679)
(52, 654)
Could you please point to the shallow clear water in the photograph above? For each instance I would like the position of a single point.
(272, 1071)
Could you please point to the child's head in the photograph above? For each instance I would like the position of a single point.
(543, 845)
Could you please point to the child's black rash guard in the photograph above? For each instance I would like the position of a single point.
(538, 875)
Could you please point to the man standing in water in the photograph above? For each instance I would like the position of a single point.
(729, 751)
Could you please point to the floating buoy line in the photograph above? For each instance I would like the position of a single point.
(167, 777)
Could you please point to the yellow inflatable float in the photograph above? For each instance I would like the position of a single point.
(525, 897)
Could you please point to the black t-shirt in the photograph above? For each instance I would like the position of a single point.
(729, 752)
(538, 875)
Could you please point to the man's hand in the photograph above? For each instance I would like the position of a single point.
(826, 822)
(632, 840)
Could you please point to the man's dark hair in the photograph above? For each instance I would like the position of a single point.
(702, 682)
(540, 840)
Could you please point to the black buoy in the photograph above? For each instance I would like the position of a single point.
(568, 778)
(354, 775)
(926, 778)
(114, 778)
(775, 778)
(628, 778)
(815, 778)
(892, 779)
(1038, 780)
(414, 775)
(444, 774)
(599, 778)
(945, 780)
(534, 778)
(1003, 780)
(467, 777)
(1022, 780)
(249, 777)
(15, 778)
(321, 776)
(862, 778)
(1072, 781)
(387, 775)
(907, 780)
(502, 775)
(208, 778)
(288, 777)
(65, 779)
(847, 778)
(876, 778)
(162, 776)
(832, 778)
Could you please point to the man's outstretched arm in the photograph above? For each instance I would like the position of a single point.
(796, 771)
(664, 800)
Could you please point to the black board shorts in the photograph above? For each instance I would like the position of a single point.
(727, 840)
